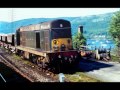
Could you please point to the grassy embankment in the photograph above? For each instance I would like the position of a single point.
(80, 77)
(114, 56)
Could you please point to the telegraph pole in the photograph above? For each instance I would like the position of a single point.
(12, 19)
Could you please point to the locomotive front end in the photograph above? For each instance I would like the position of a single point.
(61, 36)
(61, 43)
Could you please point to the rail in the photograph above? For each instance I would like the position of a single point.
(15, 68)
(11, 65)
(2, 78)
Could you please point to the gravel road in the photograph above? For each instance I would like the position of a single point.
(104, 71)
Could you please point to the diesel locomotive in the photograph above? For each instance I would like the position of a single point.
(47, 44)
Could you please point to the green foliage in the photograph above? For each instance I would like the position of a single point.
(115, 58)
(115, 28)
(81, 77)
(94, 25)
(79, 40)
(115, 31)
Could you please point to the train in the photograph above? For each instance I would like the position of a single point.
(47, 44)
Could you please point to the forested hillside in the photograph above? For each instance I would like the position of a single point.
(93, 25)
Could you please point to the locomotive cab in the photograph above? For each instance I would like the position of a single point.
(61, 36)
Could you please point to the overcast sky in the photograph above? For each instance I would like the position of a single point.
(24, 13)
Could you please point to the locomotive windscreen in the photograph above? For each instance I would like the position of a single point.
(61, 33)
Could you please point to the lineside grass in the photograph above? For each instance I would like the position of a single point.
(115, 58)
(80, 77)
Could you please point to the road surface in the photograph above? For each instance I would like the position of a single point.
(104, 71)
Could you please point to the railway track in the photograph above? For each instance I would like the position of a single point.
(8, 63)
(50, 76)
(2, 78)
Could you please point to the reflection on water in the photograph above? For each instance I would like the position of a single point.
(92, 44)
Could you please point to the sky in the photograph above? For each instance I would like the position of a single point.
(14, 14)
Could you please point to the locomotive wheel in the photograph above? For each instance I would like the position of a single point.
(9, 51)
(39, 63)
(22, 54)
(54, 64)
(17, 52)
(58, 65)
(51, 65)
(34, 59)
(43, 66)
(45, 62)
(47, 59)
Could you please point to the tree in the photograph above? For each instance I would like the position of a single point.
(79, 40)
(115, 29)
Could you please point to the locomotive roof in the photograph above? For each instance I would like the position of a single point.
(56, 20)
(44, 25)
(58, 23)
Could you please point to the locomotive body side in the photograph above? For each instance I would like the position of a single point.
(0, 40)
(4, 41)
(11, 43)
(46, 38)
(48, 44)
(11, 39)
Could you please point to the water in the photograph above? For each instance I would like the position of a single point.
(100, 43)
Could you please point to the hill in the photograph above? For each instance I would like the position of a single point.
(93, 25)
